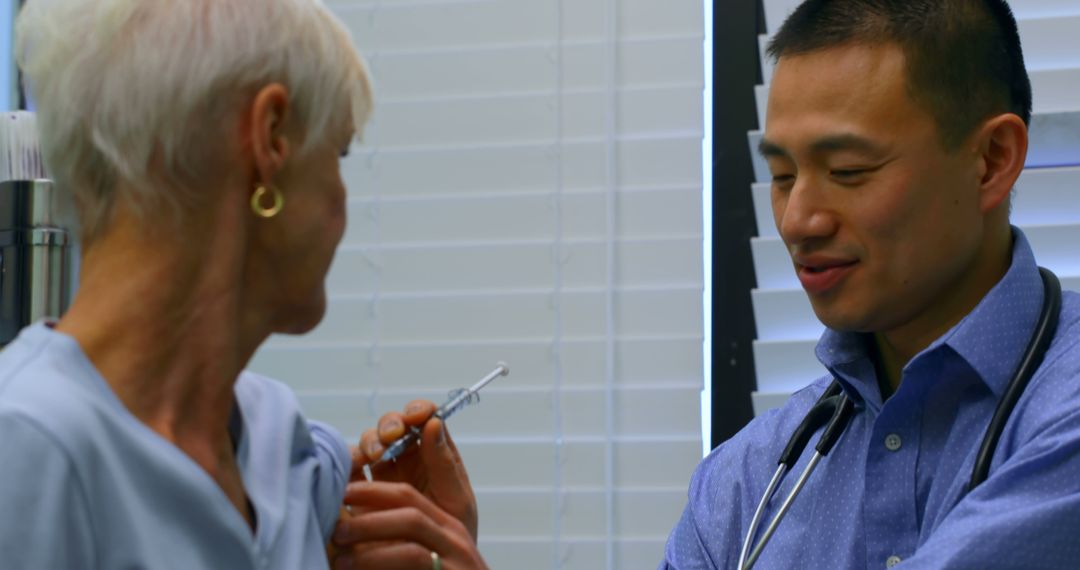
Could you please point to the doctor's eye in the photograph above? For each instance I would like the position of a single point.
(850, 175)
(782, 180)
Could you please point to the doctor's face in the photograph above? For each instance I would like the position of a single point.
(881, 221)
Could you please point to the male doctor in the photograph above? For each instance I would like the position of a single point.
(896, 130)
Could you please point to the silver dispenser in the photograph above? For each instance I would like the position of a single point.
(35, 256)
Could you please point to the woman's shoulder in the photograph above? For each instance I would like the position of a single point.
(44, 386)
(276, 427)
(44, 413)
(257, 394)
(271, 412)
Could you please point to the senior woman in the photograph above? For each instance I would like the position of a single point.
(200, 140)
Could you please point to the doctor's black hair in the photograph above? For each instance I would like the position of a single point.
(964, 59)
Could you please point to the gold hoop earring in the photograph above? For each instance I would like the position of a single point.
(257, 199)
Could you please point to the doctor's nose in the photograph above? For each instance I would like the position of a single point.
(802, 212)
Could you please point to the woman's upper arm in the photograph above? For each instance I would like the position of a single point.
(335, 463)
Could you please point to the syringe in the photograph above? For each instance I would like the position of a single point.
(458, 399)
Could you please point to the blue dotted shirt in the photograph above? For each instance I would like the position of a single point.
(892, 492)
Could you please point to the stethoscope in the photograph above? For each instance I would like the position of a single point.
(834, 410)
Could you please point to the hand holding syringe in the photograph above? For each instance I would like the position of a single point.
(437, 483)
(458, 399)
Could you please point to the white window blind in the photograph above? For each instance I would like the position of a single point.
(529, 190)
(1046, 204)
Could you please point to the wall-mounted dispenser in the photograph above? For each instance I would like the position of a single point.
(35, 248)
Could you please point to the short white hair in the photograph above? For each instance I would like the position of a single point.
(135, 93)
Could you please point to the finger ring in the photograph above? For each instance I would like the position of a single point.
(436, 563)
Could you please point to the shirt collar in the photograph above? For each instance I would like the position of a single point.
(1001, 324)
(992, 338)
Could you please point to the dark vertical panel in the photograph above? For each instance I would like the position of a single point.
(22, 102)
(736, 25)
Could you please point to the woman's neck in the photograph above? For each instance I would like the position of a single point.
(163, 321)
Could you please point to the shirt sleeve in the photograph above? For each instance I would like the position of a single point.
(727, 485)
(1026, 513)
(708, 534)
(46, 520)
(685, 549)
(335, 463)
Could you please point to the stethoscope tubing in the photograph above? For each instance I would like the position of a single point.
(775, 522)
(760, 511)
(833, 409)
(1032, 359)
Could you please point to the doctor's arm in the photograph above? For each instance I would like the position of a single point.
(727, 484)
(1025, 514)
(685, 548)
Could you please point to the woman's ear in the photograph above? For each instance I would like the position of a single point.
(1002, 146)
(267, 132)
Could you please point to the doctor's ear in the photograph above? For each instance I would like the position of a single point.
(267, 130)
(1002, 147)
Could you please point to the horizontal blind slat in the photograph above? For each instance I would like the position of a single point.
(640, 362)
(498, 218)
(388, 25)
(449, 269)
(654, 412)
(576, 553)
(527, 167)
(784, 314)
(786, 366)
(526, 316)
(638, 464)
(646, 513)
(532, 67)
(531, 116)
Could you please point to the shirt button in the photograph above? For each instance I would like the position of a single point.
(892, 561)
(893, 443)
